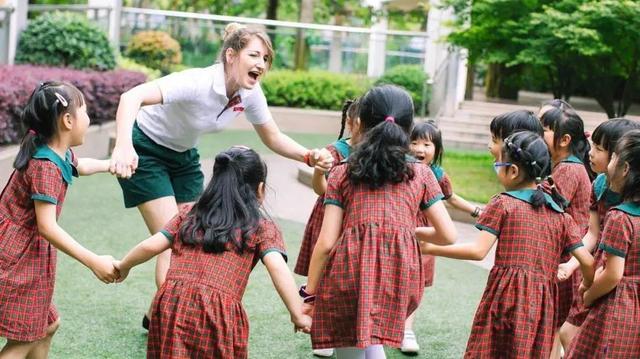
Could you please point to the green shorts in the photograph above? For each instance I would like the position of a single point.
(161, 172)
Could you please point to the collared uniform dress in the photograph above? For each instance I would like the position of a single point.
(515, 318)
(340, 150)
(572, 181)
(28, 260)
(197, 312)
(612, 326)
(369, 284)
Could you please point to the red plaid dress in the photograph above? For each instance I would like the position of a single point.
(27, 260)
(369, 284)
(612, 327)
(572, 181)
(197, 312)
(515, 317)
(428, 261)
(602, 199)
(339, 150)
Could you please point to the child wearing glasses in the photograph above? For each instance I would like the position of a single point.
(56, 119)
(517, 310)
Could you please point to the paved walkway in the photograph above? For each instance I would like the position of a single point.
(289, 199)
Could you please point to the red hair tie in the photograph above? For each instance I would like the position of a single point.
(587, 134)
(390, 119)
(32, 132)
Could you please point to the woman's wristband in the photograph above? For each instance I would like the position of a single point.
(307, 159)
(306, 297)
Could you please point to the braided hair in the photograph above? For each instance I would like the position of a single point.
(350, 109)
(529, 152)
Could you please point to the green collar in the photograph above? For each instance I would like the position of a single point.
(343, 147)
(437, 171)
(527, 194)
(632, 208)
(603, 192)
(572, 159)
(65, 165)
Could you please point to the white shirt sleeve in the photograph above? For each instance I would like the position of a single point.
(257, 111)
(179, 86)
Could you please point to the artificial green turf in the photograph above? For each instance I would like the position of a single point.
(103, 321)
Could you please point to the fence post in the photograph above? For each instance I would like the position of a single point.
(13, 23)
(377, 48)
(114, 18)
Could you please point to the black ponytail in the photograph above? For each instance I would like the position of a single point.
(386, 117)
(39, 119)
(229, 205)
(529, 152)
(568, 122)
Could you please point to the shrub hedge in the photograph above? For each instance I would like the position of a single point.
(410, 77)
(101, 90)
(312, 89)
(155, 49)
(65, 40)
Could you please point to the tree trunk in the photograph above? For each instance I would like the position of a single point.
(302, 48)
(471, 74)
(503, 81)
(272, 14)
(629, 86)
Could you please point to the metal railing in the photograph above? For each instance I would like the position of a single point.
(200, 37)
(98, 14)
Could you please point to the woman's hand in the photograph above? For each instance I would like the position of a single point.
(303, 323)
(321, 159)
(124, 161)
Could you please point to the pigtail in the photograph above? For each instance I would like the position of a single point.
(27, 149)
(381, 157)
(345, 109)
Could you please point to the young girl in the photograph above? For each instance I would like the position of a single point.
(56, 119)
(612, 327)
(502, 126)
(569, 149)
(340, 150)
(363, 268)
(215, 244)
(426, 147)
(517, 310)
(604, 138)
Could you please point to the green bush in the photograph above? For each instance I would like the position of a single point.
(67, 40)
(312, 89)
(128, 64)
(155, 49)
(412, 78)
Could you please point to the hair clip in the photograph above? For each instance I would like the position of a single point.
(62, 100)
(533, 163)
(390, 119)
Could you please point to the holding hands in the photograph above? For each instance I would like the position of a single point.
(102, 267)
(124, 161)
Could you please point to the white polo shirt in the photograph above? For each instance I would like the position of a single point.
(193, 103)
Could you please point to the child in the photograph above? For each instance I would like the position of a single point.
(612, 327)
(502, 126)
(604, 138)
(215, 244)
(339, 150)
(569, 149)
(56, 118)
(426, 147)
(363, 268)
(517, 310)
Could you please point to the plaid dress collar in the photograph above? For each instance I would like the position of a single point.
(631, 208)
(527, 195)
(65, 165)
(572, 159)
(603, 192)
(343, 147)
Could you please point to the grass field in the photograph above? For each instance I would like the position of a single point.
(103, 321)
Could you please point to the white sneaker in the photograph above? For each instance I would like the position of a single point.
(409, 343)
(325, 353)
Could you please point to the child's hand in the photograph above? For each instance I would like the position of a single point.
(124, 272)
(426, 247)
(321, 159)
(103, 268)
(583, 287)
(565, 271)
(303, 323)
(586, 298)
